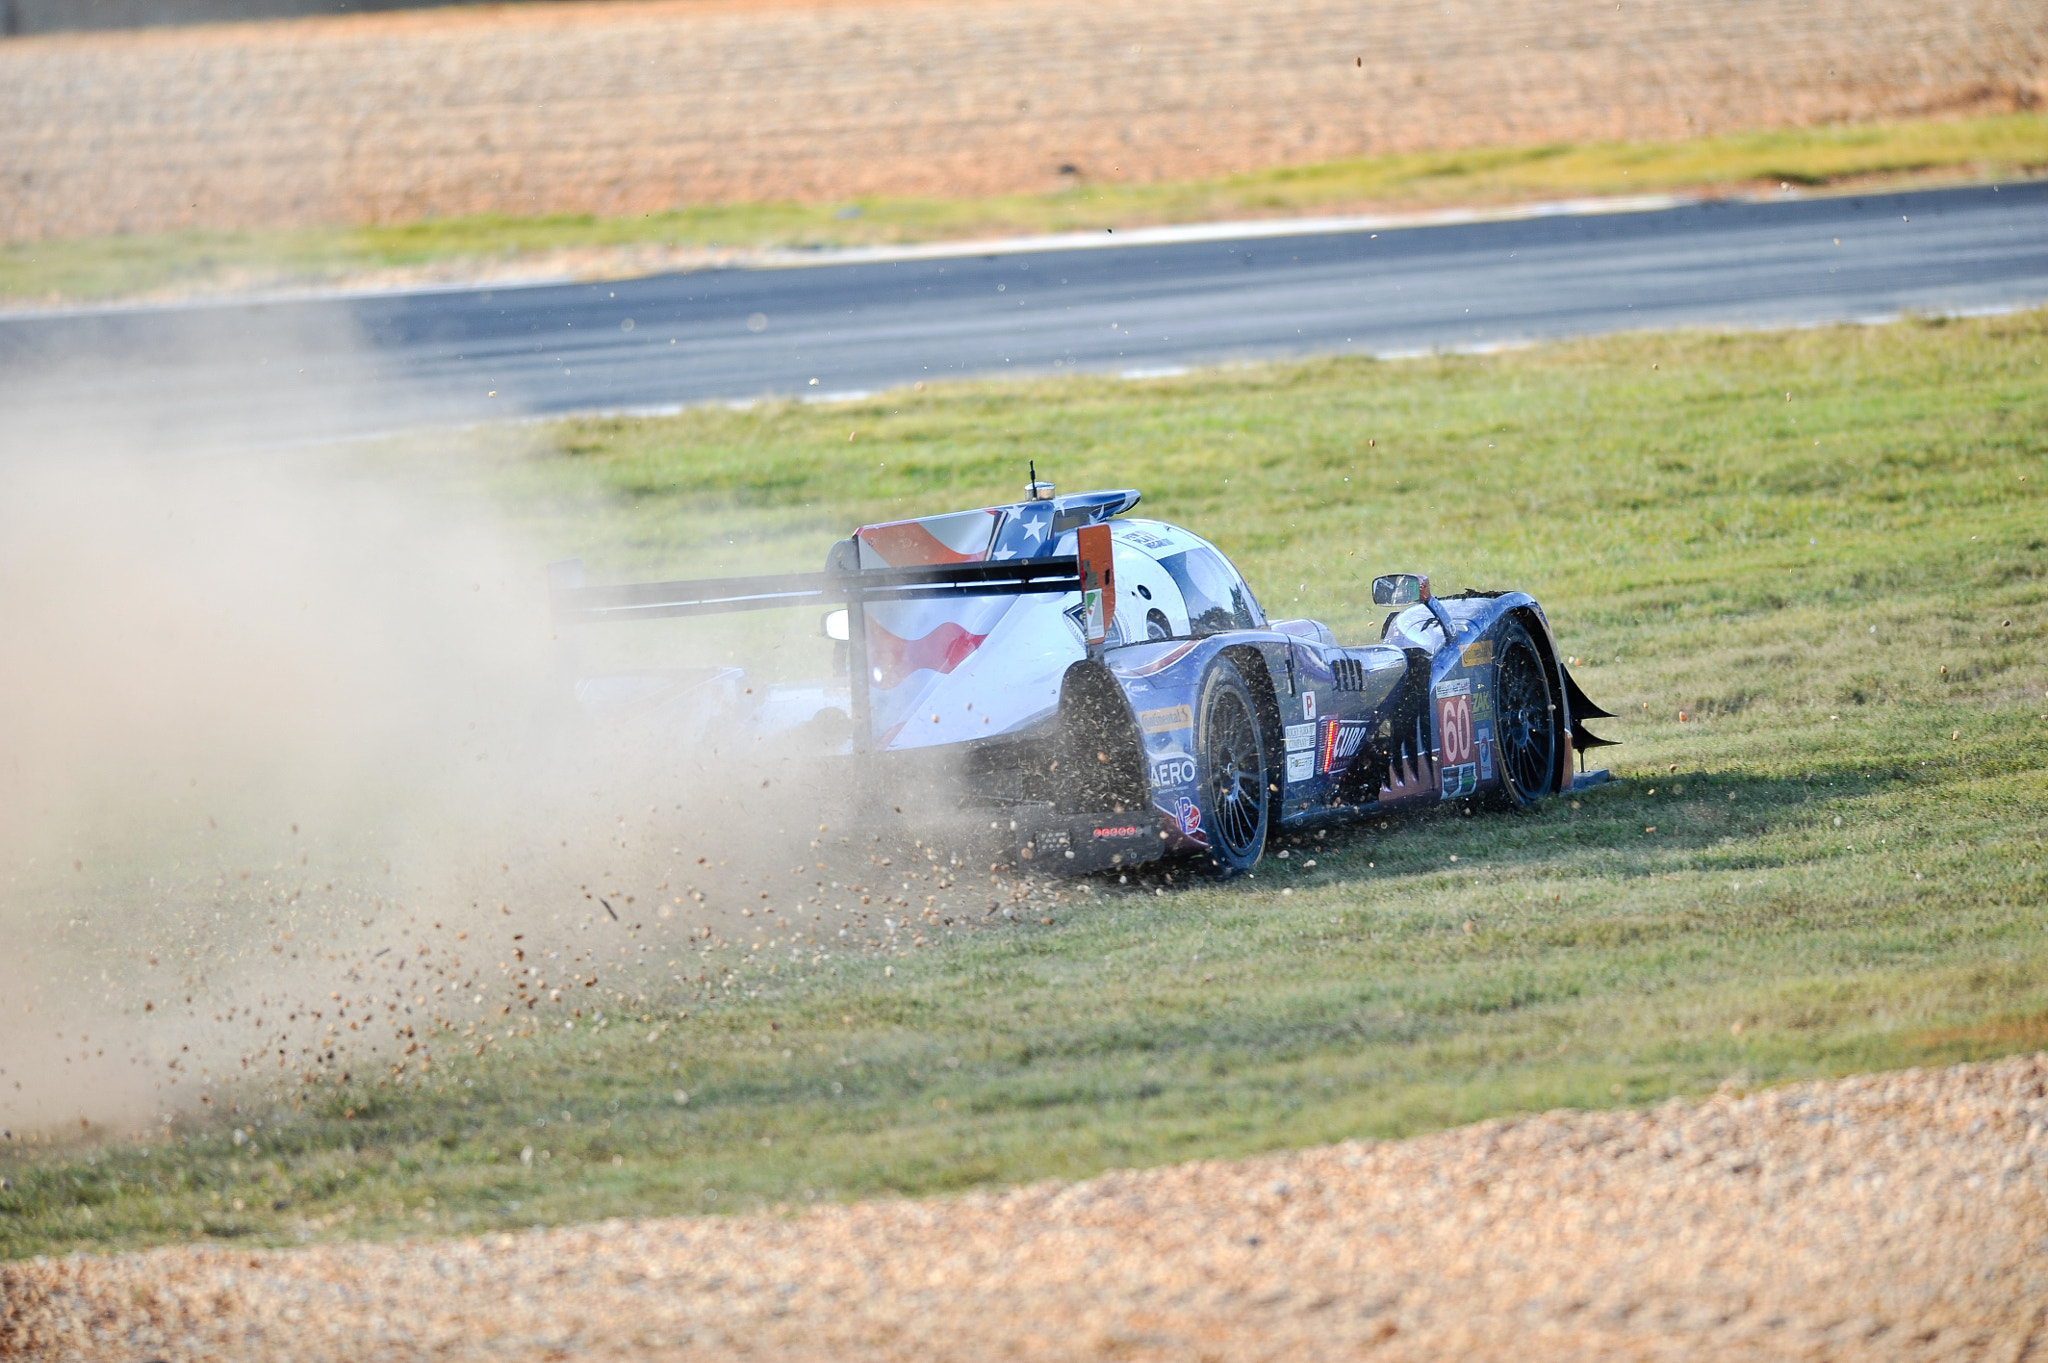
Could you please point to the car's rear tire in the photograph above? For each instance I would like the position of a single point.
(1525, 718)
(1231, 770)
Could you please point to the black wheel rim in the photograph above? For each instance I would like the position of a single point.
(1528, 724)
(1237, 773)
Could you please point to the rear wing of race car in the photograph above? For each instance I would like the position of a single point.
(853, 587)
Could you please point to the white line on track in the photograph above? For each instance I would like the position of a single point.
(1250, 230)
(1258, 229)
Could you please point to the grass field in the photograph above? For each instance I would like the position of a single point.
(1809, 569)
(1896, 154)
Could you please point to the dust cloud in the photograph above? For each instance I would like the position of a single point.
(293, 787)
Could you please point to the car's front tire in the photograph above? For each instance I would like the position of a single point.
(1525, 723)
(1231, 770)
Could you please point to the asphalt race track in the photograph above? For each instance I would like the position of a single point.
(293, 371)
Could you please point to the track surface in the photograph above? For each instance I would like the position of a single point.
(282, 372)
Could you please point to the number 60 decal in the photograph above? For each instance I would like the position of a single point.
(1454, 729)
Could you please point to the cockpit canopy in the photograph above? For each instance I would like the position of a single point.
(1173, 584)
(1217, 597)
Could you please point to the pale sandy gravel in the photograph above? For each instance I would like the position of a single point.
(629, 107)
(1895, 1216)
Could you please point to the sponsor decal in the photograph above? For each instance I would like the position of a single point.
(1477, 655)
(1457, 686)
(1301, 766)
(1342, 739)
(1482, 704)
(1130, 534)
(1175, 769)
(1188, 815)
(1454, 729)
(1094, 627)
(1300, 737)
(1461, 780)
(1483, 736)
(1162, 720)
(1308, 705)
(1126, 830)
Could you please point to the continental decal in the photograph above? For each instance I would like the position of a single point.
(1477, 655)
(1163, 721)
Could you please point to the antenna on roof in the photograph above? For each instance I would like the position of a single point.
(1035, 491)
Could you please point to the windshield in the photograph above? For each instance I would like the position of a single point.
(1217, 597)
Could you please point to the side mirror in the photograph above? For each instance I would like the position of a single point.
(1400, 589)
(834, 626)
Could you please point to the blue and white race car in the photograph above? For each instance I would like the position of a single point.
(1104, 691)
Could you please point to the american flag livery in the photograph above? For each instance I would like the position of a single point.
(922, 654)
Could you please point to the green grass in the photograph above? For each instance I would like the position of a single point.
(1827, 548)
(1999, 147)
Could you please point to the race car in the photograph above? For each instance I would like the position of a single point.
(1103, 691)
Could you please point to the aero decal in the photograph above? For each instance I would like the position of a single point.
(963, 537)
(893, 659)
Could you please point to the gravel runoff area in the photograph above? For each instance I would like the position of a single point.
(625, 107)
(1898, 1215)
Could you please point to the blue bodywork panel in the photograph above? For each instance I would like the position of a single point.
(1408, 721)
